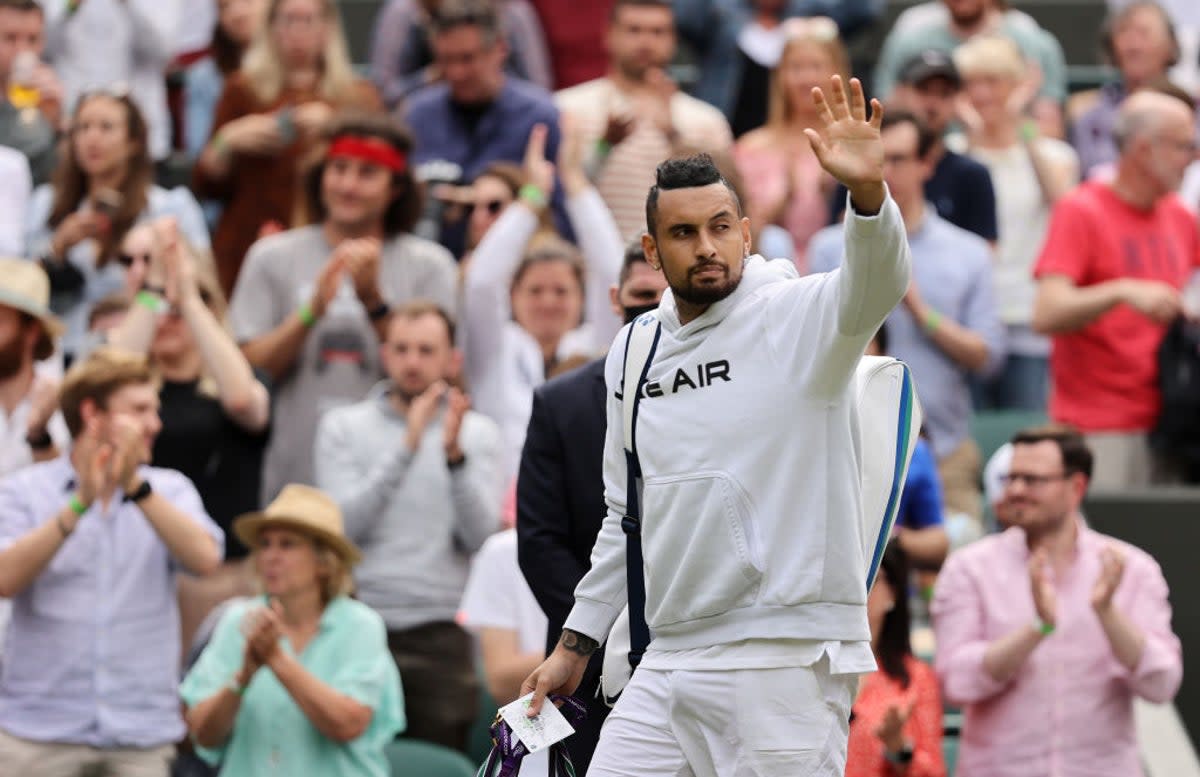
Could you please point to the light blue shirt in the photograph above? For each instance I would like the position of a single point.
(952, 270)
(271, 735)
(91, 656)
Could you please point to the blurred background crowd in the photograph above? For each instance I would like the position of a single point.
(283, 280)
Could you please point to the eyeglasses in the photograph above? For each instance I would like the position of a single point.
(128, 260)
(493, 207)
(1032, 481)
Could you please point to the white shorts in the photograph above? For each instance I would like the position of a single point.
(741, 723)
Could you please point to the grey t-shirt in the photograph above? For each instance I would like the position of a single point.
(340, 360)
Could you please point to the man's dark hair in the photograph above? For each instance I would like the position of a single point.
(1076, 455)
(633, 255)
(452, 14)
(419, 308)
(619, 4)
(687, 172)
(404, 210)
(925, 137)
(23, 6)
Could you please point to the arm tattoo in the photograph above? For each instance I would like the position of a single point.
(578, 643)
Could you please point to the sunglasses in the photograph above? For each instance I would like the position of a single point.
(128, 260)
(493, 207)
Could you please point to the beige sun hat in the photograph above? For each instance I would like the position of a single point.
(24, 286)
(304, 509)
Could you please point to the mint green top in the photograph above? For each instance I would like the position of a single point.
(271, 735)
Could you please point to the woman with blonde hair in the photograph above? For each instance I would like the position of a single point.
(784, 181)
(295, 76)
(300, 680)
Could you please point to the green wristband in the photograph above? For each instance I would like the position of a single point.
(307, 317)
(220, 144)
(933, 320)
(1043, 628)
(532, 196)
(603, 147)
(1029, 131)
(77, 506)
(149, 301)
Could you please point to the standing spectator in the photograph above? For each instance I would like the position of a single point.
(560, 490)
(90, 544)
(1139, 41)
(784, 181)
(104, 185)
(896, 721)
(298, 681)
(418, 478)
(402, 55)
(214, 410)
(117, 44)
(635, 116)
(31, 109)
(1046, 671)
(966, 19)
(1109, 275)
(960, 188)
(530, 306)
(477, 114)
(738, 43)
(237, 25)
(576, 50)
(295, 76)
(310, 308)
(947, 328)
(1031, 174)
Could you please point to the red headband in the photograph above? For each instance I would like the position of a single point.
(373, 150)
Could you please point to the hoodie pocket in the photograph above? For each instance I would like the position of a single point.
(703, 556)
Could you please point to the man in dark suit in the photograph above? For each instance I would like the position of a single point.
(560, 488)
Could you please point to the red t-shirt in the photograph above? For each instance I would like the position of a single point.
(1105, 375)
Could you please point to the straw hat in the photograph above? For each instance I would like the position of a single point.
(304, 509)
(24, 286)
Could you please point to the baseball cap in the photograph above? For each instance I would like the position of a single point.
(931, 63)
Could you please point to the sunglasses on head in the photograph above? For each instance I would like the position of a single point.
(128, 260)
(493, 207)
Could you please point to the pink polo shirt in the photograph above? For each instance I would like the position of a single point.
(1068, 712)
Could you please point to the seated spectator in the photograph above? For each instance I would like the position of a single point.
(499, 608)
(31, 110)
(104, 185)
(784, 181)
(214, 410)
(418, 478)
(402, 55)
(967, 18)
(237, 25)
(1047, 632)
(896, 721)
(739, 43)
(960, 188)
(1115, 257)
(947, 328)
(119, 45)
(1031, 174)
(635, 116)
(477, 114)
(530, 305)
(1139, 41)
(311, 304)
(300, 678)
(920, 529)
(295, 77)
(90, 545)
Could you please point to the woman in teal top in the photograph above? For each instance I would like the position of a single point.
(299, 682)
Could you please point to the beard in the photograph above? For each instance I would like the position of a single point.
(707, 294)
(12, 358)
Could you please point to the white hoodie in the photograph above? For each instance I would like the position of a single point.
(749, 449)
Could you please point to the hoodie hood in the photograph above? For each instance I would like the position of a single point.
(757, 272)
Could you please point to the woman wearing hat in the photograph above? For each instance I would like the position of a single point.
(300, 681)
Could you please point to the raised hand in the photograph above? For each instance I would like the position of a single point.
(328, 283)
(848, 144)
(128, 452)
(95, 467)
(891, 729)
(457, 406)
(361, 258)
(1112, 568)
(570, 156)
(1045, 599)
(420, 413)
(539, 171)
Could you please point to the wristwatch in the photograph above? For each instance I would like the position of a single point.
(139, 493)
(902, 758)
(39, 441)
(379, 311)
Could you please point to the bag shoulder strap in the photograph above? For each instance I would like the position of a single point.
(644, 334)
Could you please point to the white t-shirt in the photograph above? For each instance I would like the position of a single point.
(498, 597)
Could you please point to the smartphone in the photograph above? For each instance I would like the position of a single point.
(286, 122)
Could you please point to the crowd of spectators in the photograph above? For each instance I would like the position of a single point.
(261, 433)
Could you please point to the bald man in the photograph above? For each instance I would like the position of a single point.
(1109, 279)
